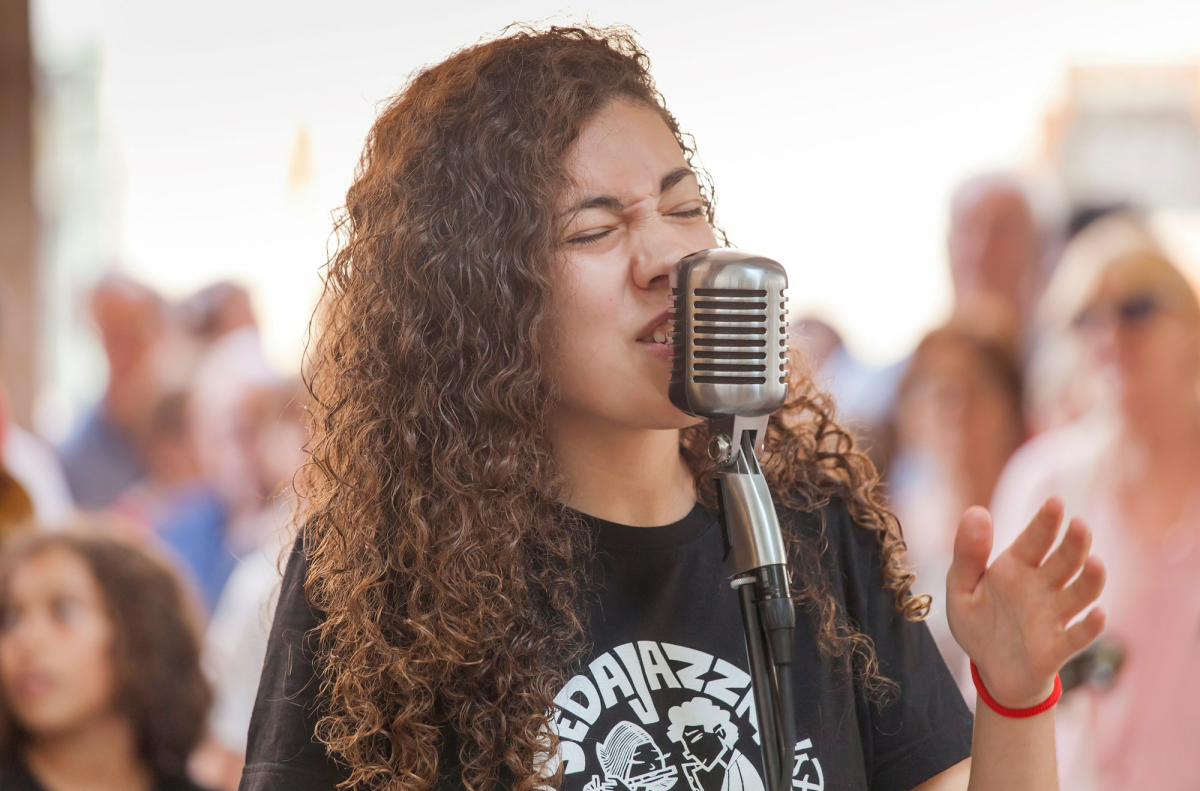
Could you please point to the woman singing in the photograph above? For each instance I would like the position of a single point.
(509, 574)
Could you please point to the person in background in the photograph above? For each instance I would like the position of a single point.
(865, 395)
(176, 504)
(231, 368)
(173, 504)
(236, 643)
(100, 458)
(994, 249)
(100, 681)
(958, 420)
(217, 310)
(1131, 467)
(1058, 391)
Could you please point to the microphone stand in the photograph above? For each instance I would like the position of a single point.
(756, 562)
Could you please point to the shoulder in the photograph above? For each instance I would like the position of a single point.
(1060, 462)
(838, 554)
(832, 528)
(292, 608)
(1060, 450)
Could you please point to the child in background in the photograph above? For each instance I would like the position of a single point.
(100, 681)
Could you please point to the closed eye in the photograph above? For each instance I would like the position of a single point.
(590, 238)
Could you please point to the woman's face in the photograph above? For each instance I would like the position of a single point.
(1143, 345)
(634, 211)
(55, 645)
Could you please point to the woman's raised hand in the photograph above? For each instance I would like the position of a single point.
(1013, 617)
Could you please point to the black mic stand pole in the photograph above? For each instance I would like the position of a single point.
(756, 562)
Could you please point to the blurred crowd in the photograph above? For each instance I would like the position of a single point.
(181, 471)
(1069, 366)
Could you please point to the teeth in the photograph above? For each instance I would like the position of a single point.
(660, 336)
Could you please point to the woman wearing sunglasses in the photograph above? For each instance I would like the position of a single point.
(1131, 467)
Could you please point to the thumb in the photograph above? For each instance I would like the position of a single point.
(972, 547)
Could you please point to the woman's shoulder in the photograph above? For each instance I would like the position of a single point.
(826, 517)
(1061, 461)
(1062, 450)
(830, 528)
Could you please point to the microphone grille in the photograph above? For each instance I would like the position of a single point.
(728, 342)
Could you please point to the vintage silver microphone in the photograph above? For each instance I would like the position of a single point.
(729, 365)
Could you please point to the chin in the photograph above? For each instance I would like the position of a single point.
(46, 722)
(671, 419)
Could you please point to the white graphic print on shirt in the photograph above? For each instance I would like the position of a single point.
(651, 716)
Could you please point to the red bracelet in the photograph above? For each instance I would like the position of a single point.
(1007, 712)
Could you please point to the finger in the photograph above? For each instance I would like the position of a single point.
(1081, 635)
(1066, 561)
(1084, 590)
(972, 547)
(1036, 539)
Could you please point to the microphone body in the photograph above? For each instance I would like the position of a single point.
(729, 365)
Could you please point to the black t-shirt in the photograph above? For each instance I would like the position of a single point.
(663, 703)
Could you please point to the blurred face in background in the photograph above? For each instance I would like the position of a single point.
(130, 320)
(1142, 337)
(957, 406)
(992, 243)
(56, 643)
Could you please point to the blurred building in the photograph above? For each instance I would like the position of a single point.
(18, 221)
(78, 202)
(1129, 134)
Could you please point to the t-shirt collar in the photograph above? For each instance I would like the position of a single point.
(616, 537)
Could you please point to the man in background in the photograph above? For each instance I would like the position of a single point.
(100, 458)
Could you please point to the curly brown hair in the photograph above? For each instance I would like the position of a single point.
(451, 582)
(159, 684)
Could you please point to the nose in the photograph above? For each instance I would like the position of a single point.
(657, 246)
(1102, 337)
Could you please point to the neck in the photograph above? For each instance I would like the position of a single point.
(629, 476)
(98, 755)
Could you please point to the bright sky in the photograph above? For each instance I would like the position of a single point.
(835, 131)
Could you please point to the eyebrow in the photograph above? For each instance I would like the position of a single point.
(609, 203)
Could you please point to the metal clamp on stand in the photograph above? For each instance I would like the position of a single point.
(756, 561)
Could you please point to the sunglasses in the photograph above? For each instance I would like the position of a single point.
(1133, 311)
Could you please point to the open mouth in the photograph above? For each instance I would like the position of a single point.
(656, 330)
(658, 334)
